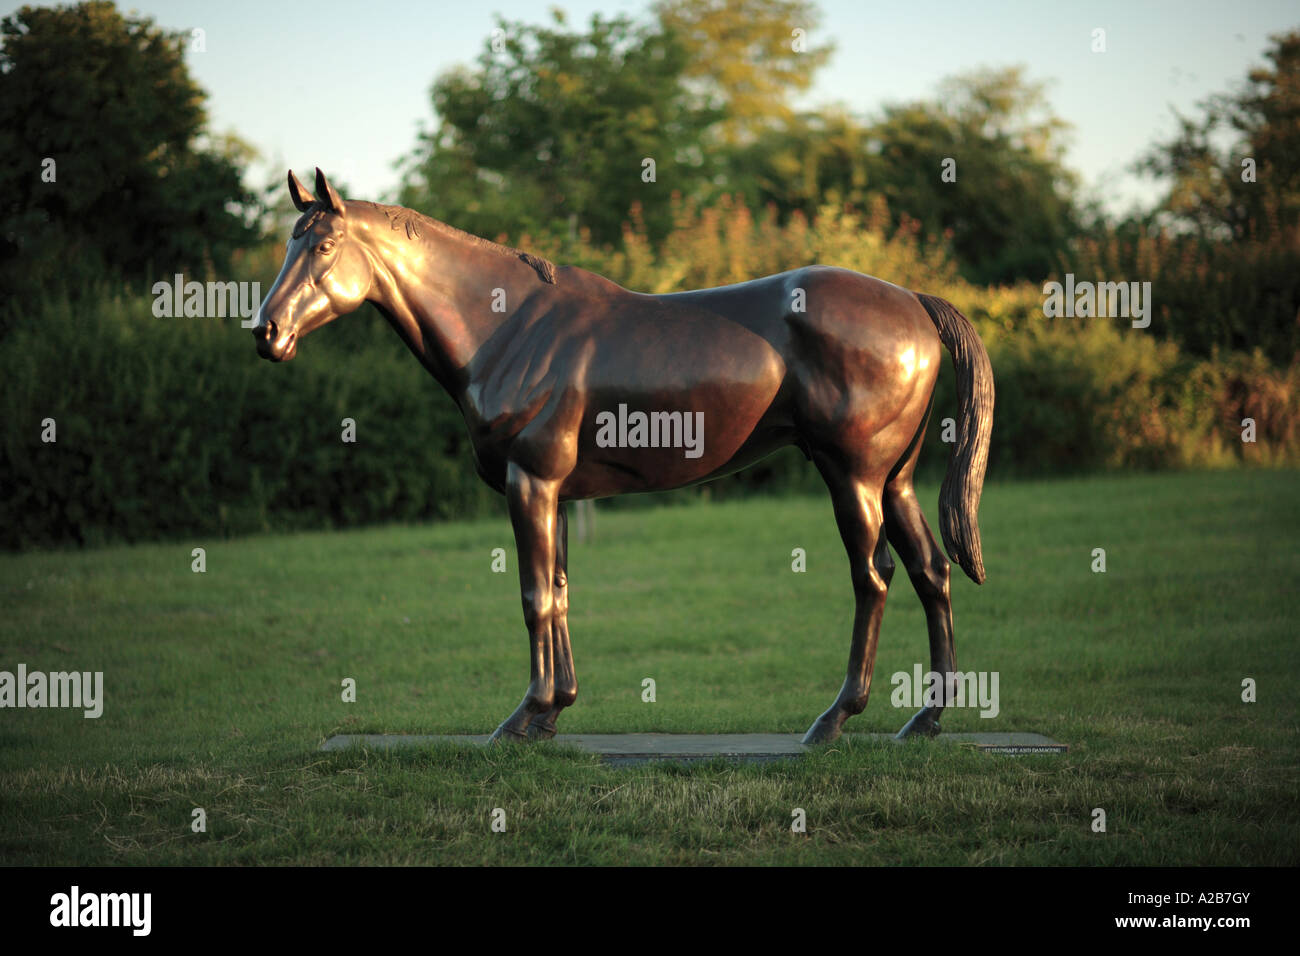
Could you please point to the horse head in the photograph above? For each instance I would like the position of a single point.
(326, 273)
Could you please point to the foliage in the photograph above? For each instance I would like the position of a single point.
(556, 127)
(747, 56)
(1008, 209)
(1208, 295)
(139, 191)
(1206, 163)
(174, 427)
(980, 165)
(1222, 248)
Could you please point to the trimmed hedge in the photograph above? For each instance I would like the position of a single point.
(170, 427)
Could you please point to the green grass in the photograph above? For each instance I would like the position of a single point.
(220, 686)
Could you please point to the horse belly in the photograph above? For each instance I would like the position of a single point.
(672, 410)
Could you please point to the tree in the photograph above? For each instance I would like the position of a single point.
(747, 57)
(1223, 246)
(107, 167)
(800, 165)
(1007, 203)
(557, 126)
(981, 164)
(1233, 171)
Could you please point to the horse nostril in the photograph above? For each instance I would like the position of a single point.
(265, 332)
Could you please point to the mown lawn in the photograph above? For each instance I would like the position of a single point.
(220, 686)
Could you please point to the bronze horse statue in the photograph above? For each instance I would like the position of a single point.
(541, 361)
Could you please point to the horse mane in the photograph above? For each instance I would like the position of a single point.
(399, 217)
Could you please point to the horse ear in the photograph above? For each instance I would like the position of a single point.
(301, 198)
(331, 199)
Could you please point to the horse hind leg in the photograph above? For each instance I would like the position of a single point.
(928, 569)
(858, 512)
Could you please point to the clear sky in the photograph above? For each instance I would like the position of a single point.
(344, 85)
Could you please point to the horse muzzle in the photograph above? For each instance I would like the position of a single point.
(270, 345)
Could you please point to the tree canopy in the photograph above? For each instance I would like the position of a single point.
(107, 166)
(553, 127)
(1232, 171)
(557, 126)
(748, 57)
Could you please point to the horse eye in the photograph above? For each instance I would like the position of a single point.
(325, 246)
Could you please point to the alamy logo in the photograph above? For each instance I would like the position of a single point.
(76, 689)
(651, 430)
(1114, 300)
(102, 909)
(207, 300)
(963, 689)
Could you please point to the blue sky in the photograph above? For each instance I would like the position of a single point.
(344, 85)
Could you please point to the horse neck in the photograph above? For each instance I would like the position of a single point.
(438, 292)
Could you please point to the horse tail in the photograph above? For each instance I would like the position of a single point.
(959, 498)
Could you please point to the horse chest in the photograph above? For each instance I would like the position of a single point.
(495, 423)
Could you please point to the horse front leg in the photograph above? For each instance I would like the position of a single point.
(533, 513)
(566, 680)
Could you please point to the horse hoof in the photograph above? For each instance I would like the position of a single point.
(504, 734)
(540, 731)
(922, 725)
(822, 732)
